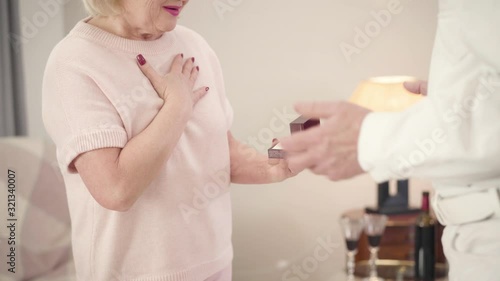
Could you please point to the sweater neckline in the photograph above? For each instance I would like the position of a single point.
(112, 41)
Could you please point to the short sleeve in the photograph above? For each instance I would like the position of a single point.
(77, 114)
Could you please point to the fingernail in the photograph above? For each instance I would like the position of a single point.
(275, 139)
(182, 55)
(198, 68)
(207, 88)
(141, 60)
(192, 59)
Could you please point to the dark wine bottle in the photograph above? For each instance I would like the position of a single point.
(424, 243)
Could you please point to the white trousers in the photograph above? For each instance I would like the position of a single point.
(473, 250)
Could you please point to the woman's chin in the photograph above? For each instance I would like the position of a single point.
(158, 32)
(167, 27)
(171, 27)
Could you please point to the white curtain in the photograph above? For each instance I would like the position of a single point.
(12, 106)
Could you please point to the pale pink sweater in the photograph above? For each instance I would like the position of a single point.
(95, 96)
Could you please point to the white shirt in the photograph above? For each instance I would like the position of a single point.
(453, 136)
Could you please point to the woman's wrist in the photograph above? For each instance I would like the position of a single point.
(180, 109)
(278, 172)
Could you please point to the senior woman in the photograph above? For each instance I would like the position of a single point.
(147, 160)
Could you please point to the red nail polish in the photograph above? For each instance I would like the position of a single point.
(141, 59)
(192, 59)
(207, 88)
(198, 68)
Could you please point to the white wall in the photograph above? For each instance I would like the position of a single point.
(42, 26)
(73, 12)
(275, 52)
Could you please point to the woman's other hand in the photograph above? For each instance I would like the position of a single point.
(248, 166)
(280, 168)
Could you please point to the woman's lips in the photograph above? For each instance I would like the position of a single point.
(173, 10)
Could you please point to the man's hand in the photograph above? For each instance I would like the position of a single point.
(332, 148)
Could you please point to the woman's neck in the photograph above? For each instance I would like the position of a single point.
(120, 27)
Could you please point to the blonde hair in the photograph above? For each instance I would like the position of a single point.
(102, 7)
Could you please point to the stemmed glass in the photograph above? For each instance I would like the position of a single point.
(374, 228)
(351, 228)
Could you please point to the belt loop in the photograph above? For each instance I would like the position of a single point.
(437, 210)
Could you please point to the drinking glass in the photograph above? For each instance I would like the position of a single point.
(351, 229)
(374, 228)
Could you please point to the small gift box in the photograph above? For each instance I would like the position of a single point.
(300, 124)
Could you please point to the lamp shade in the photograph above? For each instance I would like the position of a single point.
(385, 93)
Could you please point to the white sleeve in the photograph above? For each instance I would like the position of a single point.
(435, 141)
(480, 33)
(452, 136)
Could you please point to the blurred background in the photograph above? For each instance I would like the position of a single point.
(273, 53)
